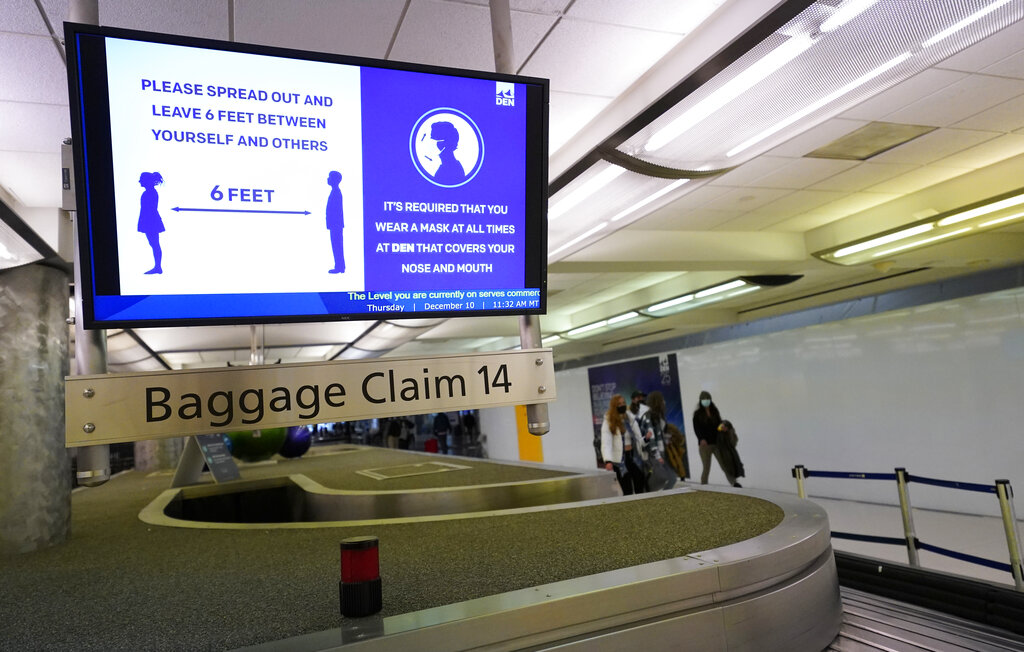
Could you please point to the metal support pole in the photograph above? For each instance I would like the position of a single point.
(90, 358)
(1005, 493)
(798, 473)
(86, 12)
(529, 325)
(501, 35)
(90, 346)
(257, 353)
(908, 517)
(536, 413)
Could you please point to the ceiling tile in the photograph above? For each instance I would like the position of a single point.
(584, 57)
(350, 27)
(797, 203)
(746, 199)
(32, 70)
(22, 16)
(659, 15)
(849, 205)
(919, 86)
(918, 179)
(1012, 66)
(202, 18)
(864, 175)
(34, 177)
(989, 152)
(459, 35)
(803, 172)
(934, 146)
(816, 137)
(701, 218)
(959, 101)
(33, 127)
(569, 113)
(1005, 117)
(550, 7)
(751, 171)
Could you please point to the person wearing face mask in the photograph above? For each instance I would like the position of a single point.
(706, 420)
(637, 405)
(619, 436)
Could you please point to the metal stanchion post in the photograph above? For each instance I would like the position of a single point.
(1005, 493)
(908, 517)
(798, 473)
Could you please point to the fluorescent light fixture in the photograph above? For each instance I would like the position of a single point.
(579, 238)
(725, 287)
(743, 291)
(664, 305)
(811, 108)
(586, 189)
(982, 210)
(995, 211)
(551, 339)
(640, 204)
(850, 10)
(732, 89)
(885, 239)
(623, 317)
(953, 29)
(588, 328)
(1001, 219)
(919, 243)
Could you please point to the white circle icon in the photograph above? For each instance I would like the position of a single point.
(447, 148)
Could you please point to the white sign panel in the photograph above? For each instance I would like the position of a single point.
(113, 408)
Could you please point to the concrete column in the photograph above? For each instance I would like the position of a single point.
(35, 470)
(158, 454)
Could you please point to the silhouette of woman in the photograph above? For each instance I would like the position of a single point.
(149, 218)
(450, 171)
(336, 222)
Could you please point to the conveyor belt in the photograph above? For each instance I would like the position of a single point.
(874, 623)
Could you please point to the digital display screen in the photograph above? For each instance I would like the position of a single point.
(224, 183)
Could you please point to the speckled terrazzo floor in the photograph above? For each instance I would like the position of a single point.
(119, 584)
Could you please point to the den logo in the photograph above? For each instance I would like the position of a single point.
(506, 94)
(446, 147)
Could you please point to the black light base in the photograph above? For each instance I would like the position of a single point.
(360, 599)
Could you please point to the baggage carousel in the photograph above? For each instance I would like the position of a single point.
(473, 554)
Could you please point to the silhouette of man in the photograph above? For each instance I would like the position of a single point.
(450, 171)
(336, 222)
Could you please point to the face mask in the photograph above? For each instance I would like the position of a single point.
(621, 409)
(705, 402)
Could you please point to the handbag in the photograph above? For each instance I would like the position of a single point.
(661, 476)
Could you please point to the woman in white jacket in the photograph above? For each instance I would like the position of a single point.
(619, 439)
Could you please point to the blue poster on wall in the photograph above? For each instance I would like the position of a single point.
(644, 375)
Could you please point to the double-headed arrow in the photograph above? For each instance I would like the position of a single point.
(236, 210)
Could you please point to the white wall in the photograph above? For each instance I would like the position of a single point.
(568, 443)
(938, 389)
(499, 424)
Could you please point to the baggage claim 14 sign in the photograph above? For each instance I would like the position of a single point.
(112, 408)
(228, 183)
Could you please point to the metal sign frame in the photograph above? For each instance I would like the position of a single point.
(113, 408)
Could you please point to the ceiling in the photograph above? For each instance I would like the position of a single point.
(620, 70)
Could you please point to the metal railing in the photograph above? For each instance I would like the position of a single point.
(1001, 488)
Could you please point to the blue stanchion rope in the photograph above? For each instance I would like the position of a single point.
(850, 475)
(962, 556)
(952, 484)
